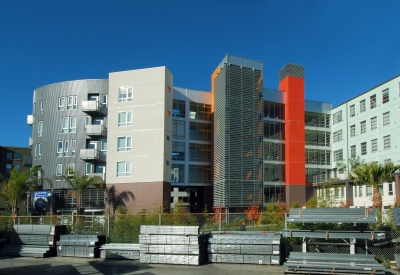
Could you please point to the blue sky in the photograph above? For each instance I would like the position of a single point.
(346, 47)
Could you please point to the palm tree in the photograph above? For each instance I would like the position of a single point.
(79, 183)
(115, 199)
(374, 174)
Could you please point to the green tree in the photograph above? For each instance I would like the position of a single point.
(116, 199)
(79, 183)
(19, 184)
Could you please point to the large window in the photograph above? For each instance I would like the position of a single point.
(123, 169)
(363, 148)
(178, 173)
(178, 150)
(200, 131)
(68, 125)
(178, 129)
(274, 194)
(200, 111)
(352, 110)
(124, 144)
(374, 145)
(386, 142)
(200, 152)
(352, 130)
(61, 103)
(125, 94)
(318, 157)
(317, 119)
(337, 117)
(60, 146)
(59, 171)
(9, 155)
(385, 96)
(40, 128)
(374, 123)
(17, 156)
(369, 190)
(178, 108)
(71, 169)
(8, 168)
(199, 174)
(353, 151)
(338, 155)
(372, 101)
(316, 137)
(362, 106)
(363, 126)
(274, 110)
(274, 130)
(274, 151)
(72, 102)
(274, 172)
(386, 119)
(337, 136)
(124, 119)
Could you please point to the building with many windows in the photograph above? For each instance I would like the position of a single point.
(236, 145)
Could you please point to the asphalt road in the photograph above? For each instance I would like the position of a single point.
(83, 266)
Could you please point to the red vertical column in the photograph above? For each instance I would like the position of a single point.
(293, 86)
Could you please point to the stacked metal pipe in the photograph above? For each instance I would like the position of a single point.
(172, 245)
(245, 247)
(82, 246)
(120, 251)
(34, 240)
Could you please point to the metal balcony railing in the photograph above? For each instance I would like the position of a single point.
(96, 130)
(101, 175)
(27, 160)
(92, 106)
(89, 154)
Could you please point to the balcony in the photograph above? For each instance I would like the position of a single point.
(96, 130)
(92, 107)
(27, 160)
(29, 120)
(30, 142)
(90, 154)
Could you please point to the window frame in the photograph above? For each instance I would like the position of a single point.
(386, 119)
(374, 145)
(127, 144)
(374, 123)
(363, 127)
(127, 169)
(71, 169)
(363, 146)
(372, 100)
(61, 103)
(40, 128)
(385, 96)
(60, 150)
(353, 130)
(58, 169)
(42, 107)
(353, 110)
(129, 94)
(126, 123)
(362, 106)
(386, 142)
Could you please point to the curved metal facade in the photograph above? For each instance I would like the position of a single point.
(48, 113)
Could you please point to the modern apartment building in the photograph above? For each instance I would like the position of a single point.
(236, 145)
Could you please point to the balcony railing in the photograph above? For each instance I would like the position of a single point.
(29, 120)
(92, 106)
(89, 154)
(96, 130)
(27, 160)
(101, 175)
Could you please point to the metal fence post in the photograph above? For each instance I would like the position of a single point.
(220, 218)
(159, 218)
(108, 225)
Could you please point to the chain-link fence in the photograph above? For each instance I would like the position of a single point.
(125, 228)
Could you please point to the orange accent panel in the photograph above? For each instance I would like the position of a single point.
(213, 76)
(294, 130)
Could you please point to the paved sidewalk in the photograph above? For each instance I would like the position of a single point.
(82, 266)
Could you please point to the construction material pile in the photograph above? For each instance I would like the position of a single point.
(120, 251)
(82, 246)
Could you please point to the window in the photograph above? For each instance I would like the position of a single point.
(362, 106)
(68, 125)
(73, 147)
(374, 145)
(40, 156)
(36, 151)
(178, 150)
(200, 111)
(34, 108)
(363, 126)
(71, 169)
(66, 148)
(59, 169)
(18, 166)
(123, 169)
(386, 142)
(374, 123)
(385, 96)
(387, 161)
(42, 106)
(352, 110)
(103, 146)
(89, 168)
(72, 102)
(386, 119)
(167, 162)
(40, 128)
(337, 136)
(8, 168)
(105, 101)
(61, 103)
(167, 137)
(363, 148)
(125, 94)
(178, 108)
(352, 130)
(17, 156)
(9, 155)
(353, 151)
(338, 155)
(337, 117)
(124, 119)
(124, 144)
(60, 148)
(369, 191)
(373, 101)
(390, 189)
(178, 129)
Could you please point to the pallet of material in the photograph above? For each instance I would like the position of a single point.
(78, 251)
(34, 239)
(173, 249)
(174, 239)
(244, 239)
(172, 259)
(39, 229)
(120, 251)
(299, 262)
(28, 251)
(169, 230)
